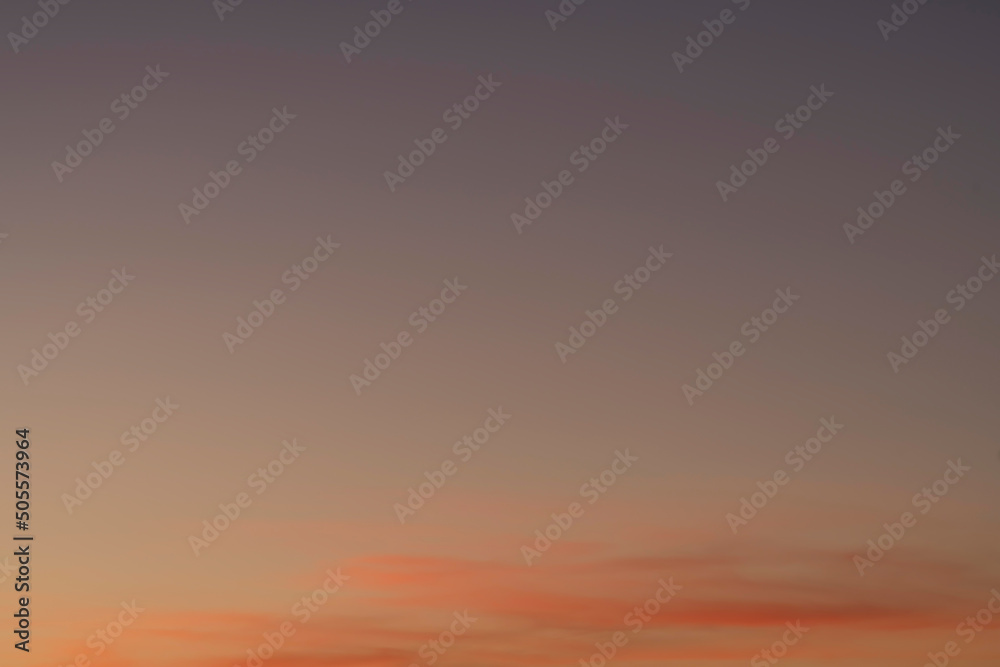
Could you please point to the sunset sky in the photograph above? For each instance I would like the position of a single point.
(456, 312)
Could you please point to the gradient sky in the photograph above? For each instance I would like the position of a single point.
(494, 346)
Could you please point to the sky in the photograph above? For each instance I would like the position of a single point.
(504, 336)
